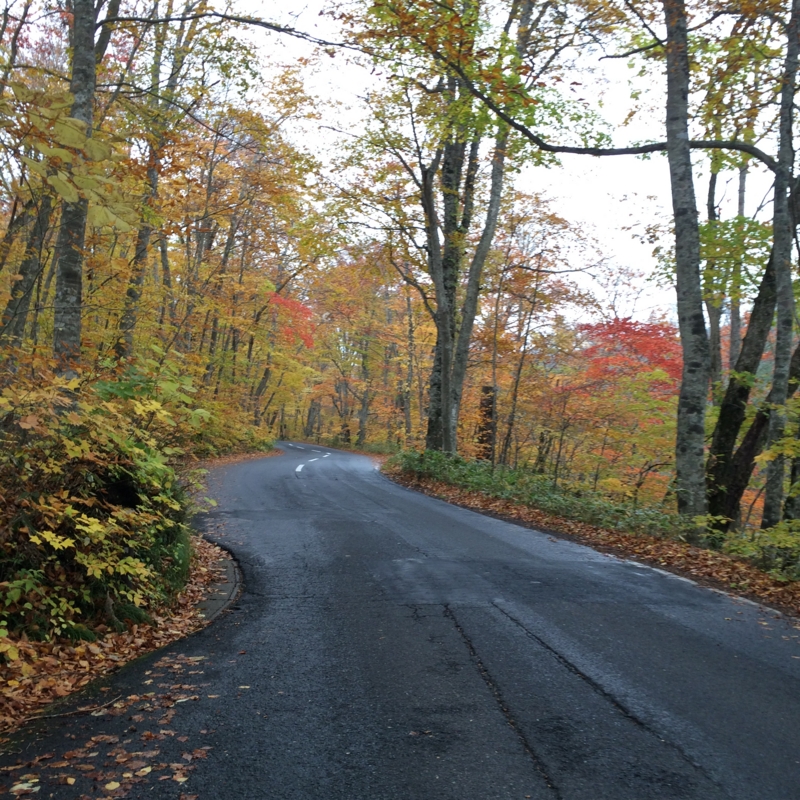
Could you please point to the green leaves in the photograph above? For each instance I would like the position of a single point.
(64, 187)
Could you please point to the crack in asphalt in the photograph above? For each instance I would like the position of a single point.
(538, 762)
(608, 696)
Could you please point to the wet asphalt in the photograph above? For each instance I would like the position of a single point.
(387, 645)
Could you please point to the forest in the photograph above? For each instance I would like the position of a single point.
(200, 255)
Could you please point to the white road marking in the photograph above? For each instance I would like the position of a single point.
(299, 448)
(300, 468)
(326, 455)
(313, 459)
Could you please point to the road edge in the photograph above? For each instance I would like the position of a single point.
(222, 594)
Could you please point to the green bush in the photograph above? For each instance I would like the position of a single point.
(776, 550)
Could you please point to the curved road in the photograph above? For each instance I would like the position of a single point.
(388, 645)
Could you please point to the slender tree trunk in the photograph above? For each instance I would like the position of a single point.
(495, 337)
(168, 301)
(366, 394)
(782, 248)
(15, 315)
(486, 428)
(736, 282)
(753, 443)
(732, 412)
(409, 378)
(512, 413)
(474, 277)
(20, 219)
(690, 440)
(713, 300)
(124, 344)
(70, 245)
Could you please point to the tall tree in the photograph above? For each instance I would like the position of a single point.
(690, 440)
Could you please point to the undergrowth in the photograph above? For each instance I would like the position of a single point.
(93, 507)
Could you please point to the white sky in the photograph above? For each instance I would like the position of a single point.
(611, 198)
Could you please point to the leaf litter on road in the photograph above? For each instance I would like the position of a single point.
(114, 764)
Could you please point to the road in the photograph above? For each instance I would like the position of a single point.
(388, 645)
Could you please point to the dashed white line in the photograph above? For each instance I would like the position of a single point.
(326, 455)
(299, 448)
(313, 459)
(300, 468)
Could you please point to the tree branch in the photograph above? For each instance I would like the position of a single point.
(655, 147)
(259, 23)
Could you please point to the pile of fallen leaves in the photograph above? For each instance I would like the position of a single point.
(45, 672)
(708, 567)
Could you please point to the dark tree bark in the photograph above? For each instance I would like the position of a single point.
(123, 347)
(20, 219)
(721, 468)
(486, 423)
(15, 315)
(457, 166)
(752, 445)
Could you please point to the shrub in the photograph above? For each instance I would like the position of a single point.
(92, 514)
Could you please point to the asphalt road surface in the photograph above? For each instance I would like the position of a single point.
(388, 645)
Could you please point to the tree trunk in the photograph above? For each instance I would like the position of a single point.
(15, 315)
(70, 245)
(486, 425)
(782, 249)
(713, 300)
(124, 344)
(720, 467)
(735, 346)
(512, 413)
(409, 379)
(752, 445)
(690, 440)
(454, 333)
(472, 294)
(18, 222)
